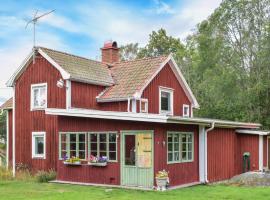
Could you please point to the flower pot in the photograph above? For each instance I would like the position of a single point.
(161, 183)
(74, 163)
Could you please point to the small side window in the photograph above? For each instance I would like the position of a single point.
(38, 145)
(144, 106)
(186, 111)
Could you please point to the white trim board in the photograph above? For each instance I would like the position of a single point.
(253, 132)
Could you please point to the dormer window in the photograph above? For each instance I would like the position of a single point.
(165, 101)
(144, 106)
(38, 96)
(186, 110)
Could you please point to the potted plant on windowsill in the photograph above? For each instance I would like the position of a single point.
(98, 161)
(162, 180)
(72, 161)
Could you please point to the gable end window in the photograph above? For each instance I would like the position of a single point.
(38, 96)
(39, 145)
(186, 110)
(165, 101)
(144, 106)
(180, 147)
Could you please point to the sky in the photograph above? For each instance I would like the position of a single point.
(82, 27)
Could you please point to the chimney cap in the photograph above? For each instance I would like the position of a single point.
(110, 45)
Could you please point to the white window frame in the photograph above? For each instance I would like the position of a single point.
(33, 86)
(180, 148)
(68, 143)
(170, 91)
(107, 143)
(34, 135)
(146, 105)
(188, 110)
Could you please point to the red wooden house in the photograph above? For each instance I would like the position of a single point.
(138, 114)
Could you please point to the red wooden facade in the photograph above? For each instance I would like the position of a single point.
(166, 78)
(225, 146)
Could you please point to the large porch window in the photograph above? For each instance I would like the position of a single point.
(83, 145)
(180, 147)
(72, 145)
(103, 144)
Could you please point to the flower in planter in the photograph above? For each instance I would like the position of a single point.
(94, 159)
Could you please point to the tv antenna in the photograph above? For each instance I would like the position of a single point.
(34, 21)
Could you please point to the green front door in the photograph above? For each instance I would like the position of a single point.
(137, 158)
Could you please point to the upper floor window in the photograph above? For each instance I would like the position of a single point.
(38, 145)
(144, 106)
(166, 101)
(39, 96)
(186, 110)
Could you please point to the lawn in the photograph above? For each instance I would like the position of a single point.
(32, 190)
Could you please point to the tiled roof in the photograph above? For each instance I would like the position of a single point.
(81, 69)
(131, 76)
(7, 105)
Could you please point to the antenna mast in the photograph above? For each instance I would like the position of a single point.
(34, 22)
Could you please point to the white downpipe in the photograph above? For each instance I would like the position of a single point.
(260, 152)
(13, 135)
(201, 153)
(205, 151)
(7, 141)
(68, 94)
(134, 105)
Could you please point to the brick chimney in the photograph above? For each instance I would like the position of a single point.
(110, 52)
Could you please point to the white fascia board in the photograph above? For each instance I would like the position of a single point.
(107, 115)
(101, 100)
(260, 152)
(64, 74)
(183, 83)
(10, 82)
(253, 132)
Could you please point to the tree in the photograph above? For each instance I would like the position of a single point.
(129, 51)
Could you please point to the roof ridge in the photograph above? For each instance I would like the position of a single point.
(70, 54)
(139, 59)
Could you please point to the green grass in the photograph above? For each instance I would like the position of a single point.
(32, 190)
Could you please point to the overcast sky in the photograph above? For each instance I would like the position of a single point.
(81, 27)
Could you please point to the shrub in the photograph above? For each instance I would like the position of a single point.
(45, 176)
(5, 174)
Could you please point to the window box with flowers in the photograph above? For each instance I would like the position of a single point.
(98, 161)
(72, 161)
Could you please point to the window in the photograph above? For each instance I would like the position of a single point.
(98, 144)
(72, 145)
(144, 106)
(186, 110)
(165, 101)
(103, 144)
(179, 147)
(39, 96)
(38, 145)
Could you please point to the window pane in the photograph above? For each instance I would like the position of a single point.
(112, 137)
(176, 138)
(73, 146)
(81, 137)
(170, 146)
(102, 153)
(42, 97)
(184, 155)
(170, 138)
(189, 137)
(36, 102)
(102, 137)
(190, 147)
(170, 157)
(176, 146)
(81, 146)
(112, 156)
(72, 153)
(103, 147)
(93, 153)
(165, 98)
(39, 145)
(189, 155)
(184, 138)
(63, 154)
(176, 156)
(94, 146)
(93, 137)
(82, 154)
(112, 147)
(72, 137)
